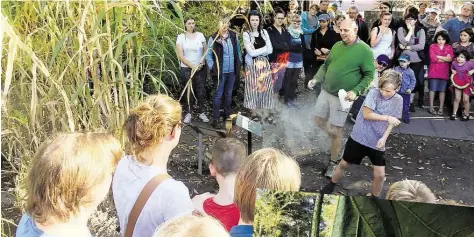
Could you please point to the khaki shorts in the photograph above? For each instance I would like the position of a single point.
(328, 107)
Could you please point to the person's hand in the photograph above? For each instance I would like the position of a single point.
(311, 84)
(393, 121)
(409, 91)
(402, 46)
(471, 72)
(453, 71)
(410, 27)
(325, 51)
(317, 52)
(351, 96)
(381, 143)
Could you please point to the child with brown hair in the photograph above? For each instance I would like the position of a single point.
(227, 156)
(267, 168)
(68, 178)
(191, 226)
(410, 190)
(380, 113)
(153, 129)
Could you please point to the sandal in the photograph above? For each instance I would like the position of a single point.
(465, 118)
(433, 112)
(440, 113)
(453, 117)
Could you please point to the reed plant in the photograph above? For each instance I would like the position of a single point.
(81, 66)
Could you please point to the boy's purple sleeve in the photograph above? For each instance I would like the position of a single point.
(370, 100)
(412, 80)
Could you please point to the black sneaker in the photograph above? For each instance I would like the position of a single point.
(412, 108)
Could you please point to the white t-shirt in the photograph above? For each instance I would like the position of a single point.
(192, 48)
(170, 198)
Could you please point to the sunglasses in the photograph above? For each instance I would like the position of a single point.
(383, 64)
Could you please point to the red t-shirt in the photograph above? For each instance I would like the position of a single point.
(228, 215)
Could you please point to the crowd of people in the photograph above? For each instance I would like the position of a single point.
(71, 174)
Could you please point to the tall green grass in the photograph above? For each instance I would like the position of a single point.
(82, 65)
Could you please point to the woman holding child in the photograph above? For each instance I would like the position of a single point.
(153, 129)
(411, 37)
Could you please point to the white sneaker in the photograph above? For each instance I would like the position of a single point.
(204, 118)
(187, 118)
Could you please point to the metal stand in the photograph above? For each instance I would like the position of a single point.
(198, 130)
(249, 142)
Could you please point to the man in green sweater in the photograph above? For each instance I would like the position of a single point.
(349, 66)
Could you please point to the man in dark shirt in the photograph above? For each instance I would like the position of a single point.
(363, 32)
(386, 7)
(323, 7)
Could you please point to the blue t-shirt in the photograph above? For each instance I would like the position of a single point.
(241, 231)
(28, 228)
(368, 132)
(454, 27)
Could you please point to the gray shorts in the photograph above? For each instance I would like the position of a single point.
(328, 107)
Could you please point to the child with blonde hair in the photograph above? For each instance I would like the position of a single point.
(267, 168)
(69, 177)
(227, 156)
(410, 190)
(153, 129)
(191, 226)
(380, 113)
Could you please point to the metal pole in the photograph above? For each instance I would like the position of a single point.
(200, 153)
(249, 142)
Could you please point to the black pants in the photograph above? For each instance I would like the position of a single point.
(198, 83)
(310, 66)
(291, 83)
(420, 81)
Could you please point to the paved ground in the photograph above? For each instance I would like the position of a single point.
(426, 124)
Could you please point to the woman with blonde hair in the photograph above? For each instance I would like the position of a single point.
(153, 129)
(68, 178)
(191, 226)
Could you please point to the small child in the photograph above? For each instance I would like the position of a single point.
(227, 156)
(462, 69)
(378, 116)
(408, 84)
(191, 226)
(410, 190)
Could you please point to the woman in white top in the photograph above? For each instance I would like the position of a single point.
(258, 95)
(382, 37)
(191, 51)
(153, 129)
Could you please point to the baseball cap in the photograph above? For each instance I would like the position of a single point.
(324, 17)
(404, 57)
(383, 60)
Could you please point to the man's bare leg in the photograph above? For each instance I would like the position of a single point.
(336, 141)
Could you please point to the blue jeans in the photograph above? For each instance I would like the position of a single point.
(225, 87)
(406, 107)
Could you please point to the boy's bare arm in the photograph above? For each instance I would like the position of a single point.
(383, 139)
(369, 114)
